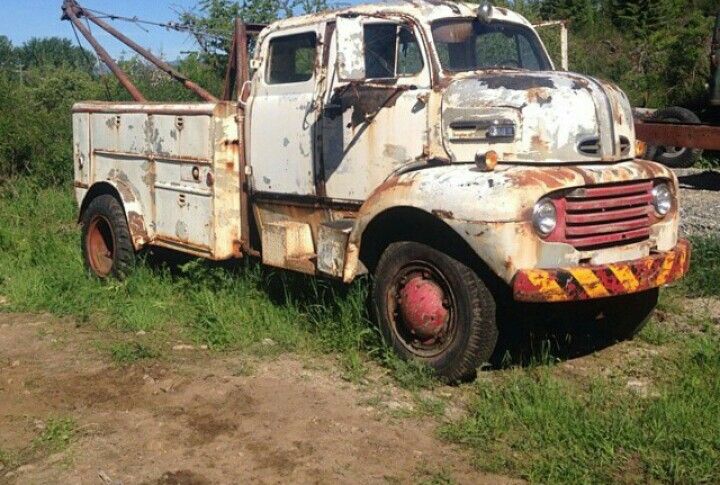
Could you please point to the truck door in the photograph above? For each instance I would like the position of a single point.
(375, 115)
(282, 114)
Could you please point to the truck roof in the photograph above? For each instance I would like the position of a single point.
(426, 10)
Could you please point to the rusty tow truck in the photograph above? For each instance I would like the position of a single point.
(431, 144)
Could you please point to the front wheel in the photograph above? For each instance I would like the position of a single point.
(106, 243)
(434, 309)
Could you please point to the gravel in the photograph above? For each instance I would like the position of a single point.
(699, 201)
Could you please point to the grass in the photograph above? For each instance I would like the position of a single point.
(550, 429)
(704, 276)
(224, 306)
(129, 352)
(535, 422)
(57, 435)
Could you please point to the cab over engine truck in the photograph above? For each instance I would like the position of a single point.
(429, 143)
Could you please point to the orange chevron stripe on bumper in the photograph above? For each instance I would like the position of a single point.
(587, 282)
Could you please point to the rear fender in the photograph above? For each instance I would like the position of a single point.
(130, 202)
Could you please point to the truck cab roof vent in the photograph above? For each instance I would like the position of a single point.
(589, 146)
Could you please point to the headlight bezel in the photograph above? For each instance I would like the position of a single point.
(663, 199)
(544, 211)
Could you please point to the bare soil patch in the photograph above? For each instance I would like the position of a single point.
(198, 419)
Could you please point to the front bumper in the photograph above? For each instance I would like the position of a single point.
(588, 282)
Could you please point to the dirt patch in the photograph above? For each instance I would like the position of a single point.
(198, 420)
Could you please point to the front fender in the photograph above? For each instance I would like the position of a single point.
(492, 211)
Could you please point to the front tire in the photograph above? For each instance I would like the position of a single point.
(106, 242)
(434, 309)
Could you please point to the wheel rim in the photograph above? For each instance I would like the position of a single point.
(421, 308)
(100, 246)
(672, 151)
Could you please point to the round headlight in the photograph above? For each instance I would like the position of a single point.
(544, 217)
(662, 199)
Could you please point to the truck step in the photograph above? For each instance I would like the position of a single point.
(332, 244)
(288, 244)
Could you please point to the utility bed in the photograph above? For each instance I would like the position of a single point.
(178, 163)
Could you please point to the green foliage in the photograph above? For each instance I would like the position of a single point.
(223, 306)
(703, 278)
(129, 352)
(551, 430)
(57, 434)
(656, 50)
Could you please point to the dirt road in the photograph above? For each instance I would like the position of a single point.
(198, 419)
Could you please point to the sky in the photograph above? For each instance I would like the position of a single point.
(25, 19)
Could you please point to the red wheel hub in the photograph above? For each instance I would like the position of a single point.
(423, 307)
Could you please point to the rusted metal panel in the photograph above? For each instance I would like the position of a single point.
(176, 170)
(372, 129)
(350, 48)
(551, 115)
(280, 127)
(288, 245)
(590, 282)
(81, 151)
(491, 211)
(332, 245)
(705, 137)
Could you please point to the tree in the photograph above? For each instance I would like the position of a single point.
(214, 20)
(54, 52)
(8, 58)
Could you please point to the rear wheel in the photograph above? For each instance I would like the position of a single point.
(675, 157)
(432, 308)
(106, 242)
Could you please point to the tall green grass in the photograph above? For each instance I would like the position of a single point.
(553, 430)
(704, 276)
(222, 306)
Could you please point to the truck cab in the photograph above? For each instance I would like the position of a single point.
(432, 144)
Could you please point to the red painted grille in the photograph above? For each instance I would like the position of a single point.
(605, 215)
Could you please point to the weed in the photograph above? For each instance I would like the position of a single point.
(57, 434)
(703, 279)
(409, 374)
(129, 352)
(427, 475)
(551, 430)
(8, 459)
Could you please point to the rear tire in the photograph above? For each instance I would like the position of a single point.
(674, 157)
(106, 242)
(463, 331)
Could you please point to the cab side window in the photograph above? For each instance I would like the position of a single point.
(292, 58)
(391, 51)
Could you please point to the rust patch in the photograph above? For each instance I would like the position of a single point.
(443, 214)
(540, 96)
(389, 184)
(539, 145)
(136, 223)
(365, 101)
(580, 83)
(122, 184)
(551, 178)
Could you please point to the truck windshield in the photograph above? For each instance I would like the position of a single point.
(470, 45)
